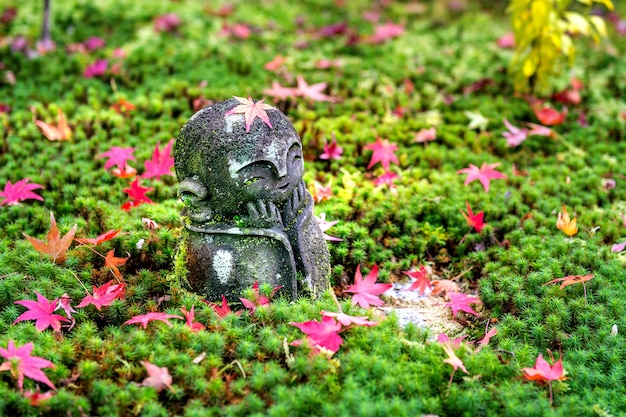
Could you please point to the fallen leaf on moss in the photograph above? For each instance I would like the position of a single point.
(421, 280)
(158, 377)
(55, 246)
(113, 262)
(42, 311)
(108, 235)
(383, 152)
(323, 334)
(54, 133)
(104, 295)
(366, 291)
(144, 319)
(484, 174)
(444, 286)
(564, 223)
(460, 301)
(22, 364)
(15, 193)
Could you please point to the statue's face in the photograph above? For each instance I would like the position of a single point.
(268, 171)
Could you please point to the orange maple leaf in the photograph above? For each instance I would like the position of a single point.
(54, 133)
(112, 262)
(444, 286)
(564, 223)
(572, 279)
(55, 247)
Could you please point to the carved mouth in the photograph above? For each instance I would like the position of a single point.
(283, 187)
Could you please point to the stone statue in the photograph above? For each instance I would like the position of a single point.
(247, 213)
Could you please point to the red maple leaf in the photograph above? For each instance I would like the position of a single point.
(474, 220)
(280, 92)
(347, 320)
(322, 334)
(42, 311)
(144, 319)
(548, 115)
(460, 301)
(59, 132)
(190, 317)
(422, 282)
(383, 152)
(223, 310)
(137, 193)
(158, 377)
(113, 262)
(275, 63)
(570, 280)
(108, 235)
(55, 247)
(104, 295)
(20, 191)
(484, 174)
(36, 397)
(161, 163)
(22, 364)
(332, 150)
(251, 111)
(314, 91)
(321, 192)
(257, 299)
(366, 290)
(117, 157)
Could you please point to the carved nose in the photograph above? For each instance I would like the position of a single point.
(281, 169)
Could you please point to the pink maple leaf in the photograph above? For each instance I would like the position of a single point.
(144, 319)
(167, 23)
(137, 193)
(158, 377)
(324, 226)
(460, 301)
(190, 317)
(42, 311)
(223, 310)
(484, 174)
(347, 320)
(453, 360)
(323, 334)
(387, 178)
(20, 191)
(22, 364)
(94, 43)
(514, 135)
(332, 150)
(96, 69)
(426, 135)
(251, 111)
(161, 163)
(421, 280)
(366, 291)
(314, 91)
(257, 299)
(506, 41)
(474, 220)
(485, 340)
(383, 152)
(540, 130)
(280, 92)
(386, 31)
(618, 247)
(108, 235)
(117, 157)
(104, 295)
(455, 343)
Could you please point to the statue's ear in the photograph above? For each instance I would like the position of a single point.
(195, 197)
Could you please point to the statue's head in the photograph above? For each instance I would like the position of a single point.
(221, 167)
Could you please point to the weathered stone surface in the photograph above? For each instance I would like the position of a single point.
(247, 212)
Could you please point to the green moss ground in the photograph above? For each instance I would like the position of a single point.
(379, 371)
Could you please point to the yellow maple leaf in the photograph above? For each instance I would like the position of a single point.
(564, 223)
